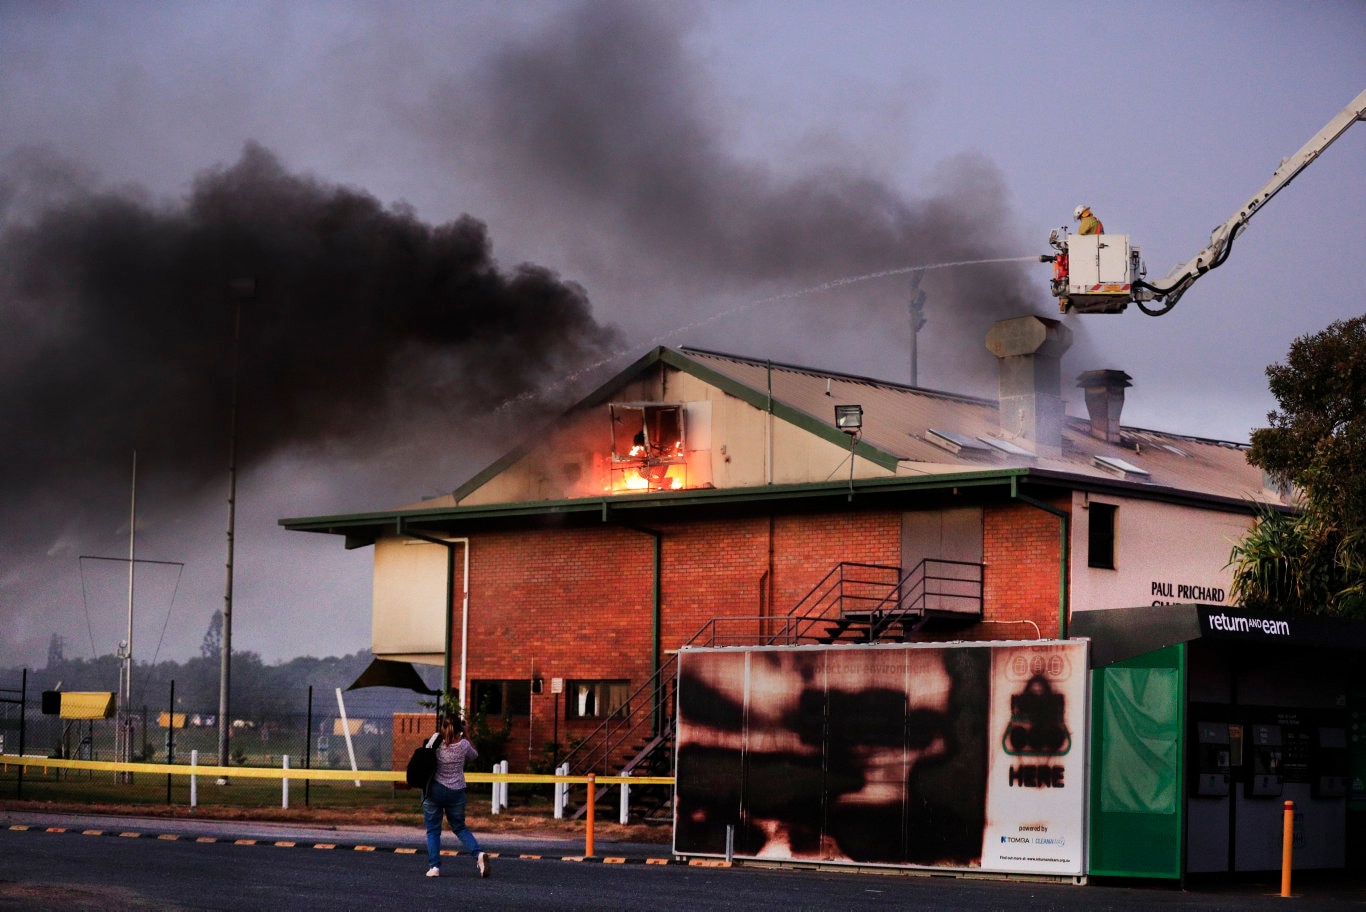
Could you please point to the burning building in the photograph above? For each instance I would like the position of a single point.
(701, 500)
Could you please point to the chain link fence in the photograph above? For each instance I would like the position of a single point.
(326, 734)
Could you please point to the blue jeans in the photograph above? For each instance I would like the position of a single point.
(439, 801)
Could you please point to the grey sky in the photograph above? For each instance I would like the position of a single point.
(681, 163)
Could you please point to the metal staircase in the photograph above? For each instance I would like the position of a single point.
(853, 603)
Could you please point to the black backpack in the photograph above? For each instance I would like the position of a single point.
(422, 764)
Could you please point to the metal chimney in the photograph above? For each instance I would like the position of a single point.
(1030, 351)
(1104, 401)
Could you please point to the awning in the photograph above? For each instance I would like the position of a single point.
(1117, 634)
(388, 673)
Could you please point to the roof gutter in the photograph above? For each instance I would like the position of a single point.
(363, 528)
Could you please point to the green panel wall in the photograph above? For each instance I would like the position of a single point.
(1137, 743)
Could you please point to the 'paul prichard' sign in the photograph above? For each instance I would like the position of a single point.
(1166, 592)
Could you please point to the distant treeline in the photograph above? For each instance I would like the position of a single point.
(259, 691)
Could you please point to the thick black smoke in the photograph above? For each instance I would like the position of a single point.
(118, 321)
(593, 139)
(605, 118)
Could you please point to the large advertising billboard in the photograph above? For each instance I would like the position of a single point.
(963, 756)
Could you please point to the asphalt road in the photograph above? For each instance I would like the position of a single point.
(86, 863)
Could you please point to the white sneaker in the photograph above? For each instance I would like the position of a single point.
(433, 872)
(483, 862)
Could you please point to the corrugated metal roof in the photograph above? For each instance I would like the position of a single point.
(898, 419)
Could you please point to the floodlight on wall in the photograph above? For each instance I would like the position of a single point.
(849, 418)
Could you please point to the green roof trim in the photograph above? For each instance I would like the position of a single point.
(368, 526)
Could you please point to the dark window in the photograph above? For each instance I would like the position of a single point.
(502, 698)
(1100, 538)
(594, 699)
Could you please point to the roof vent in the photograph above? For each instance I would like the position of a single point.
(1030, 350)
(1104, 401)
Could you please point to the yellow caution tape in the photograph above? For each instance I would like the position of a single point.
(270, 772)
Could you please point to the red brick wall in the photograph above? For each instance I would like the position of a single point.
(567, 603)
(578, 603)
(711, 569)
(410, 730)
(1021, 551)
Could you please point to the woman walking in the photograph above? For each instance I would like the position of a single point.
(445, 795)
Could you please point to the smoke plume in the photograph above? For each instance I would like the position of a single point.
(120, 316)
(604, 121)
(593, 140)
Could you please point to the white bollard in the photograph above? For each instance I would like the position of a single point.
(284, 795)
(503, 787)
(561, 792)
(194, 780)
(493, 792)
(625, 801)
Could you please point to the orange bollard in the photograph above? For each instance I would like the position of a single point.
(1287, 843)
(588, 828)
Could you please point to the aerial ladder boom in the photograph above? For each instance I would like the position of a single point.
(1168, 291)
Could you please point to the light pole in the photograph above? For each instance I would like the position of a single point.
(916, 309)
(126, 647)
(242, 289)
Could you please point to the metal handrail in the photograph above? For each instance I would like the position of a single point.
(931, 586)
(865, 582)
(852, 582)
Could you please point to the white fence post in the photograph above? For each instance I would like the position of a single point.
(625, 801)
(284, 788)
(194, 780)
(346, 730)
(561, 792)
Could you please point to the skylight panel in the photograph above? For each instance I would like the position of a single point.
(958, 444)
(1120, 467)
(1005, 446)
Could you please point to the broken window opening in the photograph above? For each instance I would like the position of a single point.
(648, 446)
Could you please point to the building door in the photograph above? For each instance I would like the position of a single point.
(947, 534)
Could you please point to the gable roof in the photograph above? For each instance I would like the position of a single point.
(707, 373)
(924, 438)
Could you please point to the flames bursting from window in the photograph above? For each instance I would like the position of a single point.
(648, 452)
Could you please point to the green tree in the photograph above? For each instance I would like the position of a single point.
(1313, 562)
(56, 651)
(212, 645)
